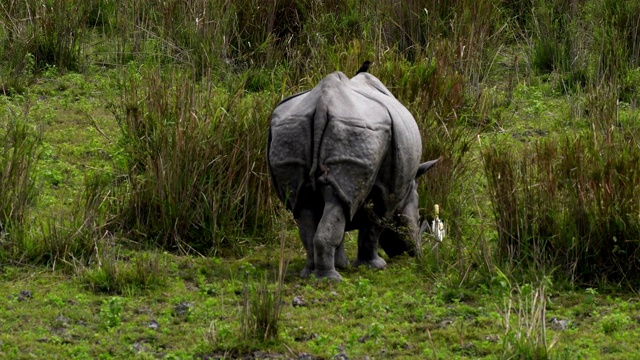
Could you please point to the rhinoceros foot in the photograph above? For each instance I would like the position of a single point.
(306, 272)
(375, 263)
(331, 275)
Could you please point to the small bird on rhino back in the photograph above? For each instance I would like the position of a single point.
(364, 67)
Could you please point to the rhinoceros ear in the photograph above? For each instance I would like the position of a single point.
(426, 166)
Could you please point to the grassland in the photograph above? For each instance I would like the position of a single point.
(137, 218)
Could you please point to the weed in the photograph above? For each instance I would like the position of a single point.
(148, 271)
(614, 322)
(112, 275)
(375, 330)
(107, 275)
(590, 299)
(111, 312)
(261, 312)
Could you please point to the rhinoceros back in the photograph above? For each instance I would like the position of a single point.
(342, 135)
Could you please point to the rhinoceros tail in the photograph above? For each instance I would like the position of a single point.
(320, 120)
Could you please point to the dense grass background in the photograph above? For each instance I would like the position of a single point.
(195, 81)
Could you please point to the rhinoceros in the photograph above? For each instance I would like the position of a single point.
(342, 156)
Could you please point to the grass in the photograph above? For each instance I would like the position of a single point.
(195, 177)
(19, 156)
(138, 220)
(395, 313)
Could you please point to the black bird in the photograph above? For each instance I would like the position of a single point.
(364, 67)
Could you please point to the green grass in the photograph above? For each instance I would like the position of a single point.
(394, 313)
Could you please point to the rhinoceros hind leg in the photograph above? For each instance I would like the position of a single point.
(368, 247)
(331, 275)
(307, 225)
(329, 236)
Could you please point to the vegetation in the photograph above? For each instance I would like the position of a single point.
(137, 216)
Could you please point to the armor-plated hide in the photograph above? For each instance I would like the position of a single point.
(354, 137)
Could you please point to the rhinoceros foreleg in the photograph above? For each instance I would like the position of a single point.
(368, 236)
(341, 260)
(307, 224)
(329, 236)
(403, 238)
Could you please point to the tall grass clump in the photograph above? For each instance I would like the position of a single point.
(263, 303)
(585, 43)
(552, 27)
(261, 311)
(616, 45)
(196, 165)
(523, 313)
(19, 154)
(461, 28)
(72, 242)
(524, 200)
(36, 35)
(569, 206)
(216, 37)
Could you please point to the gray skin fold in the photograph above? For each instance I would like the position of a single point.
(345, 156)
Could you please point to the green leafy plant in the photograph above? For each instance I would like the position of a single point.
(144, 272)
(111, 312)
(614, 322)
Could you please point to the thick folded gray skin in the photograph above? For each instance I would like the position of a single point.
(344, 156)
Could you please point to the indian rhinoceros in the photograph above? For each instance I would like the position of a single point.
(343, 156)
